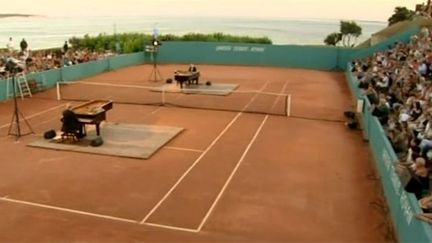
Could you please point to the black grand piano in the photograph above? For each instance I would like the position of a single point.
(92, 112)
(186, 77)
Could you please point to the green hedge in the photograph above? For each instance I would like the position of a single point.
(136, 42)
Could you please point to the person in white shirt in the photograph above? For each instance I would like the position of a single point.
(9, 45)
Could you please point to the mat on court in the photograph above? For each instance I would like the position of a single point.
(124, 140)
(213, 89)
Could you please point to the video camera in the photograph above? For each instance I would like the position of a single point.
(14, 66)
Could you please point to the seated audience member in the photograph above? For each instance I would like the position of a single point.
(383, 83)
(426, 204)
(381, 111)
(419, 182)
(42, 60)
(413, 151)
(371, 94)
(399, 140)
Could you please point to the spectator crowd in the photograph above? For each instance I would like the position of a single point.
(42, 60)
(398, 84)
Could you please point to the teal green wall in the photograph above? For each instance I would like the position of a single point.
(296, 56)
(84, 70)
(2, 90)
(121, 61)
(47, 78)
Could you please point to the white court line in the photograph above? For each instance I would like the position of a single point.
(232, 174)
(171, 227)
(197, 160)
(190, 168)
(108, 84)
(184, 149)
(46, 121)
(156, 110)
(37, 114)
(39, 205)
(7, 199)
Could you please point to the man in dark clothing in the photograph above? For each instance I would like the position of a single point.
(71, 124)
(65, 47)
(23, 45)
(381, 111)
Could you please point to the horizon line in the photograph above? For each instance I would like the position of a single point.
(26, 15)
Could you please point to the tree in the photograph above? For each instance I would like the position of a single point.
(401, 14)
(333, 39)
(349, 31)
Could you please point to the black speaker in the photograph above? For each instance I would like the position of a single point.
(208, 83)
(353, 124)
(169, 81)
(50, 134)
(96, 142)
(349, 114)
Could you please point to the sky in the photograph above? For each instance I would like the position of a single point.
(374, 10)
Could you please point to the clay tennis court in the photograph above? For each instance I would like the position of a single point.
(229, 176)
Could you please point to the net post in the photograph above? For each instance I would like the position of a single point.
(289, 106)
(163, 95)
(7, 88)
(58, 91)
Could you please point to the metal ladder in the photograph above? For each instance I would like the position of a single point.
(22, 85)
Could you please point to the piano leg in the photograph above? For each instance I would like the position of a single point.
(97, 129)
(82, 131)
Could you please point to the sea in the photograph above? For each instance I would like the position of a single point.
(47, 32)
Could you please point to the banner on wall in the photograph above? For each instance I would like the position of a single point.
(360, 104)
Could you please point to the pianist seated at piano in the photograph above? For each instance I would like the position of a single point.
(192, 68)
(71, 125)
(191, 76)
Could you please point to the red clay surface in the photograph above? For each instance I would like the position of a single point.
(229, 177)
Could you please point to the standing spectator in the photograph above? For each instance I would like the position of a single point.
(65, 47)
(23, 45)
(9, 45)
(118, 47)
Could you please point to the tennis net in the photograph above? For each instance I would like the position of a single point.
(253, 101)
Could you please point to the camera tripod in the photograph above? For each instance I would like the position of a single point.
(155, 74)
(14, 127)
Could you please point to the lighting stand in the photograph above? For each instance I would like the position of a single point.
(155, 74)
(14, 127)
